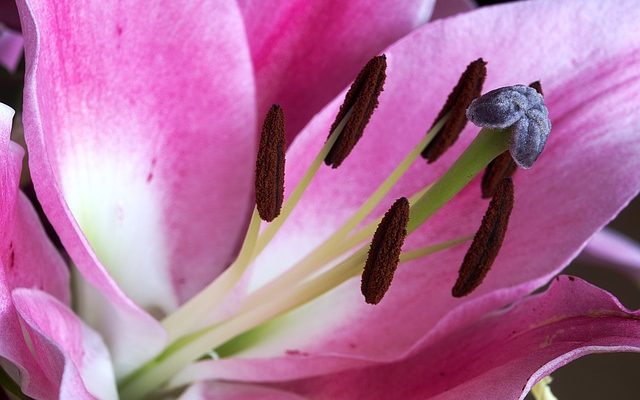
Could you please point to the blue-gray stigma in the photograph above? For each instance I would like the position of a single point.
(520, 109)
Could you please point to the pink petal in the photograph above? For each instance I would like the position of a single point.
(33, 260)
(10, 48)
(499, 357)
(71, 355)
(141, 131)
(27, 260)
(615, 249)
(231, 391)
(589, 73)
(305, 51)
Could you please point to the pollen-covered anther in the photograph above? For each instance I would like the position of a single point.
(270, 165)
(361, 100)
(469, 87)
(522, 111)
(500, 168)
(384, 253)
(487, 241)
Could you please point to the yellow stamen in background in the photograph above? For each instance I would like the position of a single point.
(542, 391)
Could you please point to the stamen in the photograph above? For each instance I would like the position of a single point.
(362, 99)
(270, 165)
(500, 168)
(503, 166)
(469, 87)
(487, 241)
(384, 254)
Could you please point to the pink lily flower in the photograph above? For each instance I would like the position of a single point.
(142, 124)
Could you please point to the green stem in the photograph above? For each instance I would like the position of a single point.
(486, 146)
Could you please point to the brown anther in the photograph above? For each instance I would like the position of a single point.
(537, 86)
(270, 165)
(362, 100)
(486, 242)
(468, 88)
(500, 168)
(384, 253)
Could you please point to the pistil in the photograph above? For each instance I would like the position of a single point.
(503, 166)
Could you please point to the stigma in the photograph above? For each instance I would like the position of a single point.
(522, 111)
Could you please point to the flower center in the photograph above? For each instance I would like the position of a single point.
(375, 250)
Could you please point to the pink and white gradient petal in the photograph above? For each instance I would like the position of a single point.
(73, 356)
(141, 132)
(31, 270)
